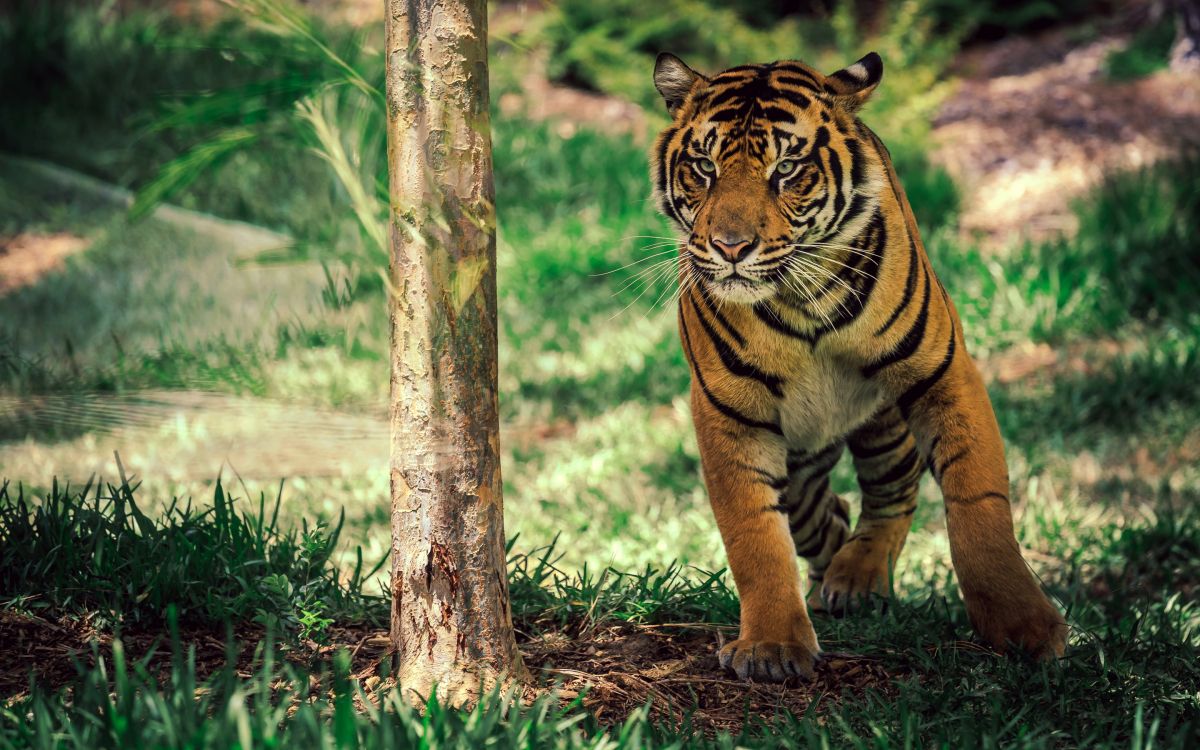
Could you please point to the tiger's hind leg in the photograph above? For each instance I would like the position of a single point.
(818, 519)
(889, 469)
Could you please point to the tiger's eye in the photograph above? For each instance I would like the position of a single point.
(785, 167)
(706, 166)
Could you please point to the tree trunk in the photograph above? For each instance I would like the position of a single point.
(451, 619)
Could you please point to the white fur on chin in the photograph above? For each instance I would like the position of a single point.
(741, 292)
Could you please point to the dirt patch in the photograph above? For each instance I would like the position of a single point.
(617, 669)
(52, 651)
(1035, 123)
(1035, 363)
(27, 257)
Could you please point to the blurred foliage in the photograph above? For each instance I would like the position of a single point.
(147, 101)
(991, 19)
(610, 47)
(1149, 51)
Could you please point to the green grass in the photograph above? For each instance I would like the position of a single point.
(93, 551)
(1148, 51)
(1137, 636)
(602, 482)
(1132, 262)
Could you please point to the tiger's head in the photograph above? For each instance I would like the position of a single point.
(761, 165)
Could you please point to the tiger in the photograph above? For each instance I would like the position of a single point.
(812, 321)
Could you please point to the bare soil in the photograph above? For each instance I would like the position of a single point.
(616, 670)
(27, 257)
(1035, 122)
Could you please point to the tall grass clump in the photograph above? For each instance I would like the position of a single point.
(121, 703)
(92, 549)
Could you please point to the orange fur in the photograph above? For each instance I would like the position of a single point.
(834, 331)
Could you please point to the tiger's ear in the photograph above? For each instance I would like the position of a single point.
(673, 79)
(852, 85)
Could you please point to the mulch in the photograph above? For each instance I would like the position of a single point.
(674, 668)
(613, 671)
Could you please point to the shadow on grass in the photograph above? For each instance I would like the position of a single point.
(1135, 392)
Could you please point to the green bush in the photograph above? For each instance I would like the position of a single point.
(209, 111)
(991, 19)
(610, 47)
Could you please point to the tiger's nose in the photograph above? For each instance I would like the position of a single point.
(730, 246)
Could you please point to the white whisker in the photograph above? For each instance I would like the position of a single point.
(646, 274)
(634, 263)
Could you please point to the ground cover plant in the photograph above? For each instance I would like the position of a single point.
(615, 565)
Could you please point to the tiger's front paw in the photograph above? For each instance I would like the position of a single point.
(1035, 626)
(770, 661)
(859, 576)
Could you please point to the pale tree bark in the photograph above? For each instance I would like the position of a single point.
(451, 619)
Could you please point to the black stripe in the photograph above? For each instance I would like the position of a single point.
(802, 83)
(858, 450)
(712, 310)
(910, 286)
(899, 470)
(729, 114)
(858, 204)
(817, 537)
(858, 172)
(977, 498)
(821, 480)
(777, 114)
(661, 162)
(791, 68)
(905, 491)
(768, 315)
(732, 361)
(888, 516)
(906, 346)
(799, 101)
(821, 139)
(839, 199)
(766, 477)
(940, 470)
(864, 280)
(797, 461)
(672, 165)
(725, 409)
(921, 387)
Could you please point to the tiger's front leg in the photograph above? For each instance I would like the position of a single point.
(952, 419)
(889, 469)
(745, 471)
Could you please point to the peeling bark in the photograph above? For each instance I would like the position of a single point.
(451, 619)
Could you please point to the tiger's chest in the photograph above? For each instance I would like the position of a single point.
(823, 399)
